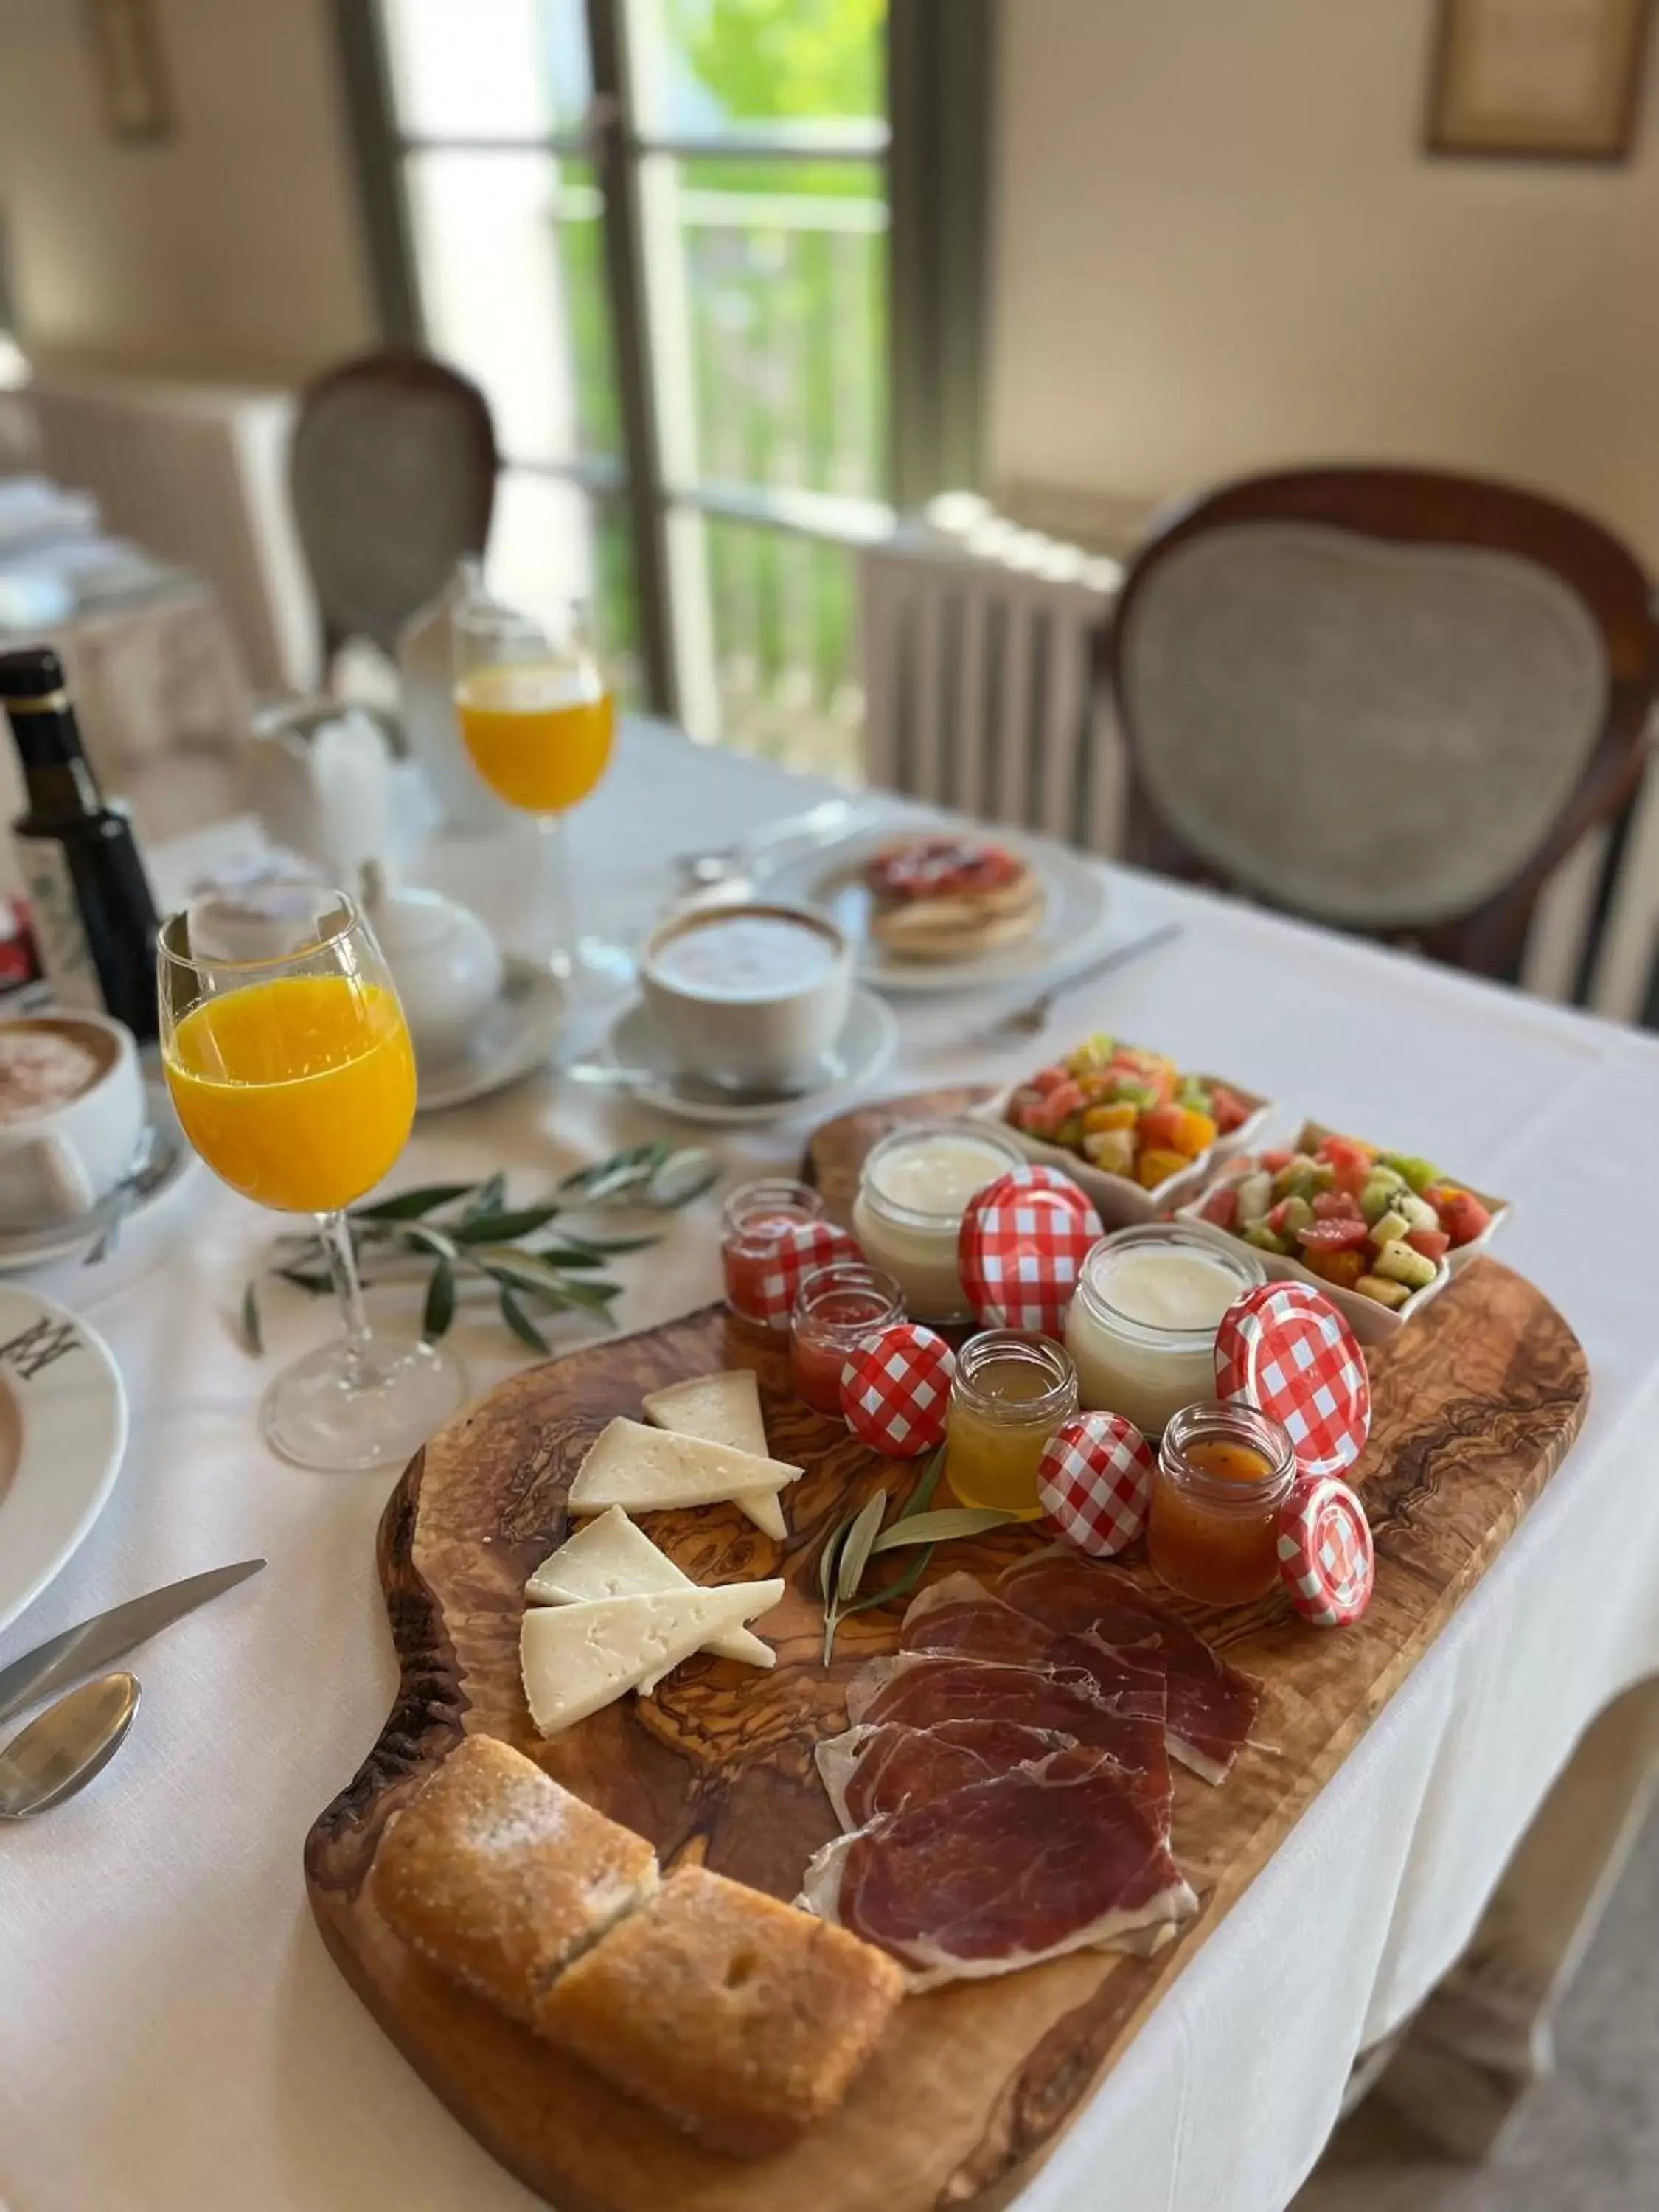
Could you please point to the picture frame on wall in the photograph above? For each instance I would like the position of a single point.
(1537, 80)
(130, 70)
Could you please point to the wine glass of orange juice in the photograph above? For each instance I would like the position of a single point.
(290, 1065)
(536, 718)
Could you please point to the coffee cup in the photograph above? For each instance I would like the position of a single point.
(71, 1112)
(750, 996)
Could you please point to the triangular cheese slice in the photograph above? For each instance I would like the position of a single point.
(576, 1658)
(649, 1470)
(721, 1409)
(612, 1558)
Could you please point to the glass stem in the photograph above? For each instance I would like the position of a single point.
(335, 1233)
(557, 894)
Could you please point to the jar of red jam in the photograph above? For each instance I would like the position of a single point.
(1223, 1471)
(754, 1217)
(836, 1308)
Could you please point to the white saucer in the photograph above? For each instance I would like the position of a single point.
(861, 1051)
(58, 1240)
(514, 1039)
(63, 1432)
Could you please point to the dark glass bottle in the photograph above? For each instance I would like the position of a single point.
(89, 899)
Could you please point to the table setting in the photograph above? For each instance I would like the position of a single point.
(581, 1350)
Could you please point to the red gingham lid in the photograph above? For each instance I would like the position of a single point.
(1325, 1552)
(1035, 1176)
(1095, 1479)
(1287, 1350)
(896, 1389)
(1019, 1253)
(798, 1248)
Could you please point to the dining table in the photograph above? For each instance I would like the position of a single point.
(172, 2032)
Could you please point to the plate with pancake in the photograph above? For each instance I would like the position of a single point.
(943, 907)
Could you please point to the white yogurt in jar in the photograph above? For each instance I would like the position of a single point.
(1141, 1329)
(915, 1185)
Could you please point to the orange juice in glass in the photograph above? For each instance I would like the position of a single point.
(536, 718)
(293, 1076)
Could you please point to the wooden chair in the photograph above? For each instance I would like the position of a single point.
(1389, 700)
(392, 473)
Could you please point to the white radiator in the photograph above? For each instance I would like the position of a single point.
(978, 672)
(195, 473)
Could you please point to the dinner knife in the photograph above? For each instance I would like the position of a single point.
(110, 1634)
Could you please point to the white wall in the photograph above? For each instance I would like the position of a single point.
(231, 247)
(1220, 249)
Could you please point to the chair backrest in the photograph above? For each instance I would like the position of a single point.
(392, 475)
(1387, 699)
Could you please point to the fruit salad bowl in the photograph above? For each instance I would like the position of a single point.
(1379, 1233)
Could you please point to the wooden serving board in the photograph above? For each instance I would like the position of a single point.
(1476, 1403)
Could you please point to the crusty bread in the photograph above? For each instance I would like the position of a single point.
(502, 1878)
(741, 2020)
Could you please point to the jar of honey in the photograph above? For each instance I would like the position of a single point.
(1222, 1472)
(1010, 1393)
(836, 1308)
(754, 1217)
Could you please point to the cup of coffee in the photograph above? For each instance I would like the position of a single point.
(750, 997)
(71, 1110)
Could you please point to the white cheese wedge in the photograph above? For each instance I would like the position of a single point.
(721, 1409)
(612, 1558)
(575, 1658)
(649, 1470)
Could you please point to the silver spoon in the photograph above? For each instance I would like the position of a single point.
(59, 1753)
(1031, 1020)
(143, 1172)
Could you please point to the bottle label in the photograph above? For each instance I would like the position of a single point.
(55, 917)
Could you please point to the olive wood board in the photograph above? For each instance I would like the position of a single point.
(1476, 1402)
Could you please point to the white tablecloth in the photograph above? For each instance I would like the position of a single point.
(172, 2034)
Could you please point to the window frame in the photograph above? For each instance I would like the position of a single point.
(935, 150)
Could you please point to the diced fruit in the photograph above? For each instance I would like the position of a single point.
(1070, 1133)
(1389, 1226)
(1349, 1161)
(1228, 1109)
(1396, 1262)
(1158, 1165)
(1275, 1160)
(1048, 1079)
(1221, 1206)
(1430, 1242)
(1302, 1178)
(1066, 1098)
(1377, 1197)
(1337, 1205)
(1256, 1196)
(1120, 1114)
(1178, 1129)
(1343, 1267)
(1192, 1094)
(1463, 1217)
(1418, 1173)
(1094, 1052)
(1417, 1210)
(1380, 1288)
(1290, 1216)
(1112, 1151)
(1131, 1087)
(1259, 1234)
(1333, 1235)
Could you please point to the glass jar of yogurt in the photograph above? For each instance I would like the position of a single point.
(1141, 1327)
(915, 1184)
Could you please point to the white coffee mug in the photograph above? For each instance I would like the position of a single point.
(741, 1006)
(58, 1161)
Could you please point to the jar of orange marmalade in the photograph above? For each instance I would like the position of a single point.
(1223, 1471)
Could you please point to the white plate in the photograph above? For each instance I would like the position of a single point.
(514, 1039)
(1075, 898)
(861, 1052)
(58, 1240)
(62, 1431)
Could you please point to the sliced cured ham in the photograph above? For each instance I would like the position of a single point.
(872, 1770)
(1050, 1855)
(921, 1690)
(1212, 1707)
